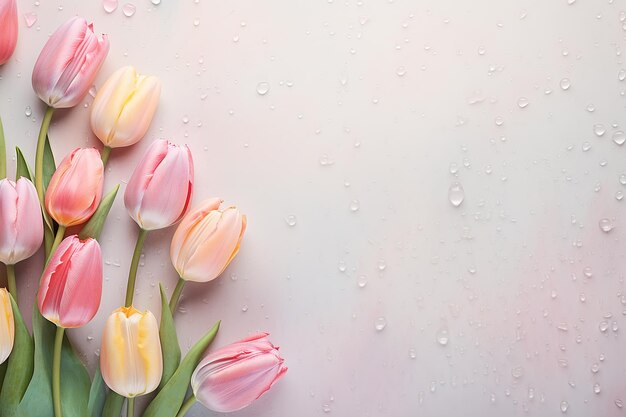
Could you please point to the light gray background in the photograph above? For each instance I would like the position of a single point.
(376, 101)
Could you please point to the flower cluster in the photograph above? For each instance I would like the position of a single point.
(139, 354)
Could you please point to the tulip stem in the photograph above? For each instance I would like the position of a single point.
(132, 274)
(57, 240)
(176, 294)
(186, 406)
(104, 155)
(130, 411)
(11, 281)
(56, 371)
(41, 144)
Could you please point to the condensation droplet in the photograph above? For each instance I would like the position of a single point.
(522, 102)
(129, 9)
(400, 71)
(291, 220)
(355, 205)
(28, 111)
(596, 388)
(456, 194)
(564, 406)
(380, 324)
(109, 5)
(606, 225)
(263, 88)
(361, 281)
(619, 137)
(599, 129)
(442, 336)
(565, 83)
(412, 353)
(155, 2)
(619, 195)
(30, 18)
(517, 372)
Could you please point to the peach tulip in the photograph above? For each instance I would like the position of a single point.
(71, 285)
(124, 106)
(159, 191)
(130, 357)
(7, 325)
(8, 29)
(69, 63)
(206, 240)
(21, 225)
(232, 377)
(75, 189)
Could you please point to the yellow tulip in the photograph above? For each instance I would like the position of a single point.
(124, 106)
(130, 357)
(7, 326)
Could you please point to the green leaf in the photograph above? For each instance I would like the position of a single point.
(75, 382)
(171, 397)
(113, 405)
(3, 153)
(23, 170)
(169, 340)
(94, 226)
(49, 166)
(97, 394)
(37, 401)
(20, 367)
(3, 371)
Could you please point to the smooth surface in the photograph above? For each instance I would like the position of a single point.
(374, 101)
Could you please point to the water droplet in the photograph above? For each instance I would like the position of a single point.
(262, 88)
(291, 220)
(586, 146)
(599, 129)
(565, 83)
(244, 308)
(564, 406)
(563, 363)
(481, 50)
(522, 102)
(129, 9)
(622, 179)
(412, 353)
(603, 326)
(400, 71)
(587, 272)
(595, 367)
(355, 206)
(156, 2)
(517, 372)
(30, 18)
(442, 336)
(619, 195)
(196, 22)
(109, 5)
(93, 91)
(341, 266)
(28, 111)
(361, 281)
(619, 137)
(606, 225)
(326, 408)
(326, 161)
(499, 121)
(619, 403)
(454, 168)
(596, 388)
(456, 194)
(380, 324)
(185, 119)
(591, 108)
(621, 75)
(382, 265)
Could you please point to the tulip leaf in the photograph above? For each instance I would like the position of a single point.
(20, 367)
(3, 153)
(49, 166)
(97, 394)
(94, 226)
(113, 405)
(169, 340)
(171, 397)
(37, 401)
(22, 168)
(75, 382)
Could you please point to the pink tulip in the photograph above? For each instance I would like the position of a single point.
(159, 191)
(21, 225)
(71, 285)
(75, 188)
(8, 29)
(69, 63)
(233, 376)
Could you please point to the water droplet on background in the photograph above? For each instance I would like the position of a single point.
(564, 406)
(129, 9)
(380, 324)
(517, 372)
(599, 129)
(456, 194)
(109, 5)
(442, 336)
(291, 220)
(30, 18)
(155, 2)
(522, 102)
(28, 111)
(596, 388)
(400, 71)
(361, 281)
(355, 206)
(619, 137)
(262, 88)
(565, 84)
(606, 225)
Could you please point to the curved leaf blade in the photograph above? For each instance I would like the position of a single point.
(113, 405)
(169, 341)
(22, 168)
(94, 226)
(97, 394)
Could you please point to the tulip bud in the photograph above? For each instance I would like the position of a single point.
(75, 189)
(7, 325)
(159, 191)
(233, 376)
(8, 29)
(124, 106)
(206, 240)
(69, 63)
(21, 225)
(130, 357)
(71, 285)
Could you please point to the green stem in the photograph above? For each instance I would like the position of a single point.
(41, 143)
(104, 155)
(186, 406)
(11, 281)
(57, 240)
(176, 295)
(56, 372)
(3, 153)
(132, 274)
(130, 411)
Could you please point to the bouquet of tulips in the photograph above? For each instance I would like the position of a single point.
(63, 208)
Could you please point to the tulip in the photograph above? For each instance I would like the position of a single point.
(7, 325)
(8, 29)
(71, 286)
(69, 63)
(21, 225)
(159, 191)
(232, 377)
(75, 189)
(124, 106)
(130, 357)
